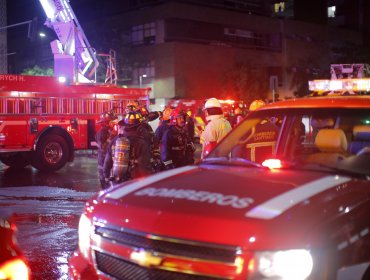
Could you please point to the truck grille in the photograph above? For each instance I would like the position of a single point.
(204, 251)
(123, 270)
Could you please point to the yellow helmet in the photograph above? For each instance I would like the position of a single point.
(256, 104)
(166, 114)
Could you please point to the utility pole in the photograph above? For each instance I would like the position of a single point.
(3, 39)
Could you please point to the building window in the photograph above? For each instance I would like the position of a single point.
(143, 34)
(331, 11)
(279, 7)
(146, 72)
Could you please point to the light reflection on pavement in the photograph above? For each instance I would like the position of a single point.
(46, 209)
(47, 220)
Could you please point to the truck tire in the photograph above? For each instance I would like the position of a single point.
(16, 161)
(51, 153)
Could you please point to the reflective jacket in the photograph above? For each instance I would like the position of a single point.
(260, 144)
(215, 130)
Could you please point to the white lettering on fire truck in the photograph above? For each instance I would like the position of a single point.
(12, 78)
(201, 196)
(131, 187)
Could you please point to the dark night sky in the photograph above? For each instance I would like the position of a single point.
(24, 10)
(27, 52)
(85, 11)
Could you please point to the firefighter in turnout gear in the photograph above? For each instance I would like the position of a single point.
(128, 155)
(217, 127)
(260, 144)
(103, 138)
(175, 142)
(155, 159)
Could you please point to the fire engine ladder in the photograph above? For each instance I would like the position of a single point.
(74, 58)
(111, 73)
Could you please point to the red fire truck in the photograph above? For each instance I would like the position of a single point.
(42, 121)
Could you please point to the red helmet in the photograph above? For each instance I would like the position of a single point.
(177, 113)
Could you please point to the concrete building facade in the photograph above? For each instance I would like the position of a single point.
(183, 50)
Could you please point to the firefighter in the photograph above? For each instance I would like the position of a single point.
(149, 116)
(190, 126)
(164, 124)
(217, 127)
(237, 116)
(175, 142)
(103, 138)
(260, 144)
(128, 155)
(155, 159)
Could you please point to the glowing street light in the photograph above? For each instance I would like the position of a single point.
(141, 79)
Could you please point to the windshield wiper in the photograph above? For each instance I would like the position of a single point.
(231, 161)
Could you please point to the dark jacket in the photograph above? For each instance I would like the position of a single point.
(161, 129)
(102, 141)
(139, 152)
(190, 127)
(174, 146)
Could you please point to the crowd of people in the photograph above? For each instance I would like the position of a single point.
(134, 150)
(129, 148)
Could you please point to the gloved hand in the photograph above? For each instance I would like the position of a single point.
(191, 147)
(168, 165)
(156, 154)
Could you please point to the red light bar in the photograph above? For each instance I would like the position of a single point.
(272, 163)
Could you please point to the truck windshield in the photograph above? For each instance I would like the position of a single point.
(299, 136)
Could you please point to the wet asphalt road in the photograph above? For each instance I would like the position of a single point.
(46, 209)
(80, 175)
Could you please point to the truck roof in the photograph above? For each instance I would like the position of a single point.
(358, 101)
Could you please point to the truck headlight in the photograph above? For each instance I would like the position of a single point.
(284, 265)
(15, 269)
(84, 232)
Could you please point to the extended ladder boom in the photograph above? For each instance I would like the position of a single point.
(74, 58)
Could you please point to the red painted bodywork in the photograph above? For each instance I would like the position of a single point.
(15, 131)
(150, 207)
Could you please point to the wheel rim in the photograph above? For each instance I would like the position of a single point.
(53, 152)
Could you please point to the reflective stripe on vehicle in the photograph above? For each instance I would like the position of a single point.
(277, 205)
(123, 191)
(355, 272)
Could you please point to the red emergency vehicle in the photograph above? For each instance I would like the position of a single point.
(301, 212)
(43, 121)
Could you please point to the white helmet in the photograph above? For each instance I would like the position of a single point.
(212, 103)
